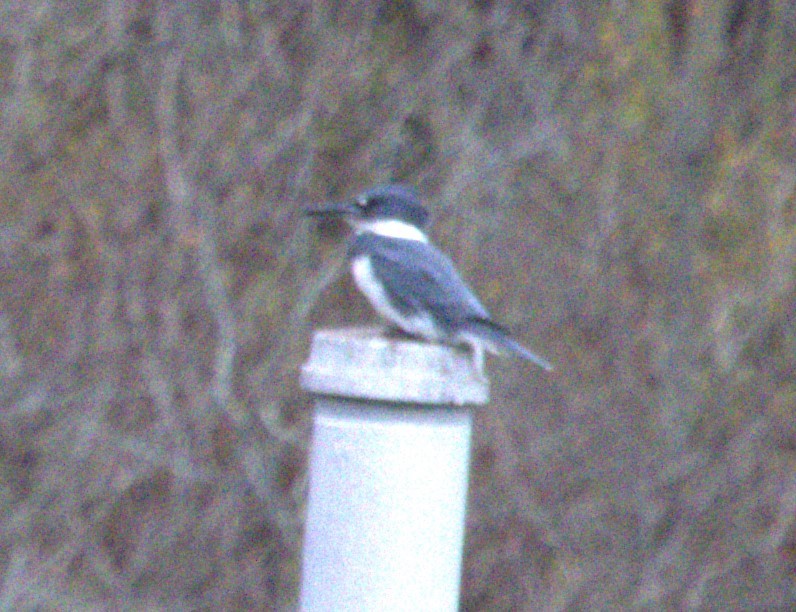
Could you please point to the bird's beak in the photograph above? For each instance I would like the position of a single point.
(334, 210)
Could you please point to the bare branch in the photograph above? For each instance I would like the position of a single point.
(192, 228)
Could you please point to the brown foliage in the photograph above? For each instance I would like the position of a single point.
(618, 186)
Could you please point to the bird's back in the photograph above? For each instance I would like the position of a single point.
(418, 278)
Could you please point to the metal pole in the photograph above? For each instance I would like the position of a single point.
(388, 472)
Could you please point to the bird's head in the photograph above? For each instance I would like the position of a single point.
(388, 210)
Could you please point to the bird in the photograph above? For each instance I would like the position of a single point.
(411, 283)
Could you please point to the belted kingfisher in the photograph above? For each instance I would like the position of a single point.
(411, 283)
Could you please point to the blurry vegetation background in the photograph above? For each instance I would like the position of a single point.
(616, 179)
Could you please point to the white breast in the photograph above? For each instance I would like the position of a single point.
(366, 281)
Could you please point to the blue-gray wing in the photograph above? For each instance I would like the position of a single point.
(418, 277)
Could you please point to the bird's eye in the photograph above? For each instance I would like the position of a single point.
(362, 201)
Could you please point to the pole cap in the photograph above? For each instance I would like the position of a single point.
(361, 363)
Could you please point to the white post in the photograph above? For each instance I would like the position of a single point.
(388, 472)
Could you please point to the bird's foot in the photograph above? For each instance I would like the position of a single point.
(396, 333)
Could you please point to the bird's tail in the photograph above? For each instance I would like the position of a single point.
(497, 340)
